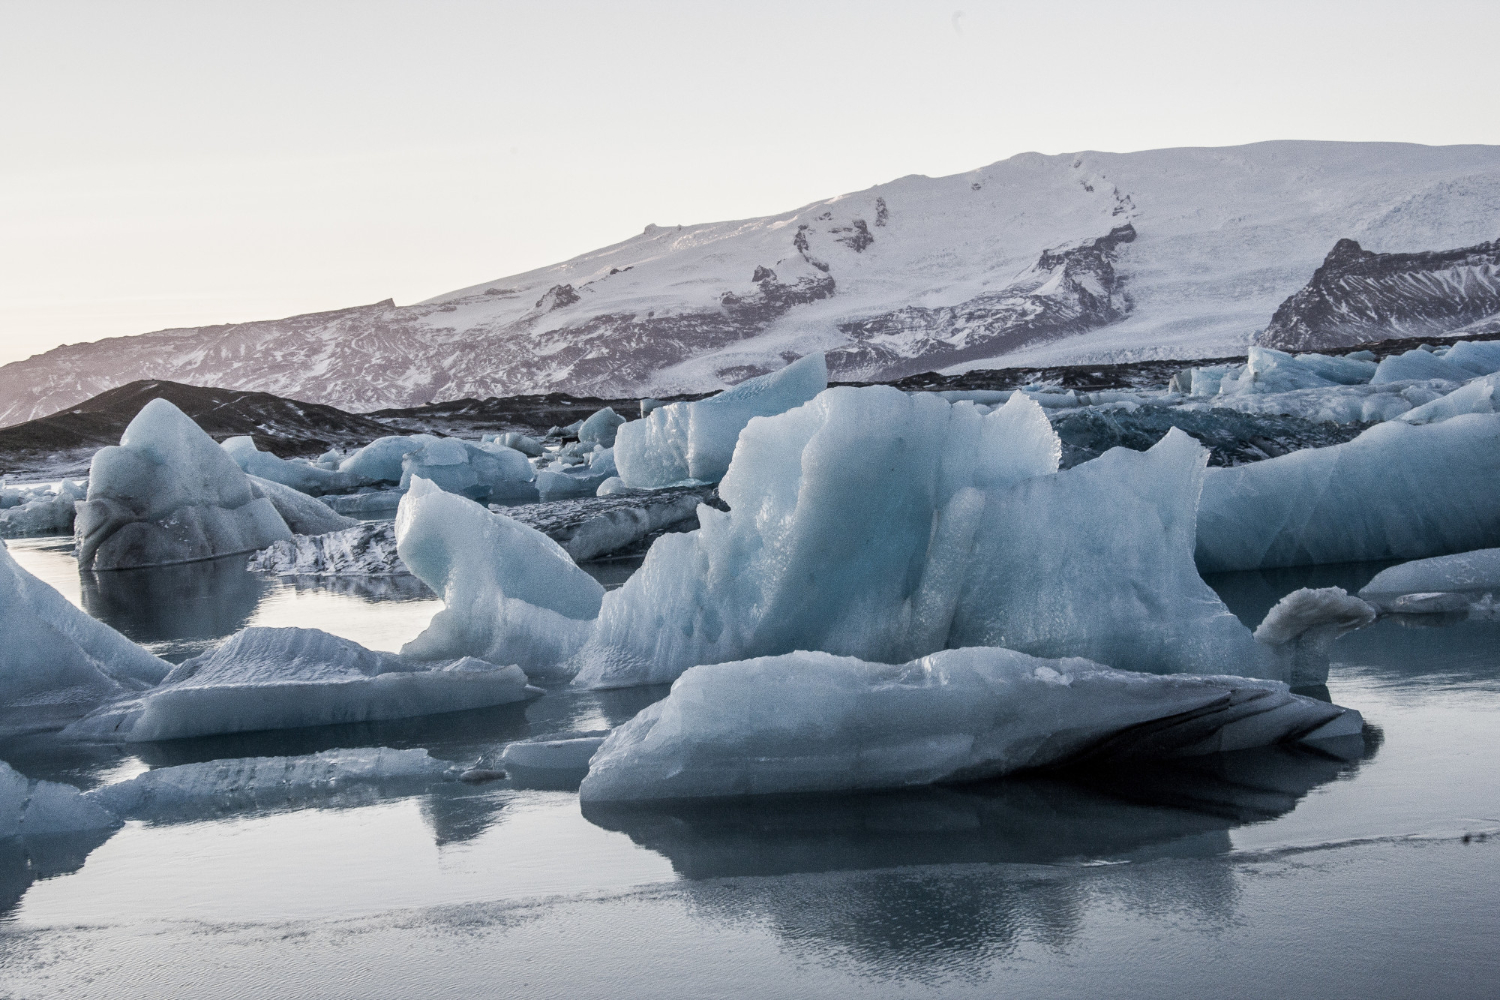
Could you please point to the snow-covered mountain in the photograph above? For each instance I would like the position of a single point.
(1359, 296)
(1033, 260)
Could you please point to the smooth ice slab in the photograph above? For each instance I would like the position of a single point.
(1397, 491)
(490, 472)
(1477, 396)
(283, 678)
(683, 441)
(303, 514)
(45, 808)
(813, 722)
(1439, 584)
(54, 654)
(169, 494)
(512, 594)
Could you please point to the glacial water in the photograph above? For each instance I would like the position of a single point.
(1365, 872)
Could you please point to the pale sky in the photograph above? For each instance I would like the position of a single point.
(178, 164)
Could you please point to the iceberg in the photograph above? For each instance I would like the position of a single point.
(303, 514)
(600, 428)
(169, 494)
(1477, 396)
(283, 678)
(219, 787)
(1398, 491)
(813, 722)
(380, 460)
(1440, 584)
(1420, 364)
(695, 441)
(55, 655)
(489, 473)
(1481, 357)
(524, 443)
(366, 549)
(512, 594)
(42, 512)
(46, 808)
(303, 477)
(370, 503)
(1270, 371)
(578, 481)
(883, 526)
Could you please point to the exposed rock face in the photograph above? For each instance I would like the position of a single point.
(1358, 296)
(1068, 291)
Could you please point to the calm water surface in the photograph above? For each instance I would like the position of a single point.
(1368, 872)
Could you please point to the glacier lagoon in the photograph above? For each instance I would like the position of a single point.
(1348, 870)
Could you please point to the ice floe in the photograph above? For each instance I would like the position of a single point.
(303, 514)
(814, 722)
(45, 808)
(490, 472)
(41, 511)
(1439, 584)
(283, 678)
(169, 494)
(299, 475)
(683, 441)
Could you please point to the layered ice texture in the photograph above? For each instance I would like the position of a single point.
(512, 594)
(302, 476)
(814, 722)
(1398, 491)
(1440, 584)
(283, 678)
(56, 655)
(169, 494)
(695, 441)
(874, 524)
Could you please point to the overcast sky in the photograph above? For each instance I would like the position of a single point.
(174, 164)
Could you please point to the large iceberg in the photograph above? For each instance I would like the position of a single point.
(282, 678)
(512, 594)
(874, 524)
(380, 461)
(169, 494)
(302, 476)
(55, 655)
(1267, 371)
(490, 472)
(695, 441)
(813, 722)
(1398, 491)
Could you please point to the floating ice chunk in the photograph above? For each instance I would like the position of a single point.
(44, 808)
(1481, 357)
(600, 427)
(557, 762)
(489, 473)
(310, 479)
(1270, 370)
(1420, 364)
(695, 441)
(380, 460)
(1476, 397)
(169, 494)
(218, 787)
(513, 595)
(523, 443)
(374, 503)
(366, 549)
(283, 678)
(885, 526)
(303, 514)
(813, 722)
(44, 512)
(1437, 585)
(53, 653)
(578, 481)
(1397, 491)
(1303, 625)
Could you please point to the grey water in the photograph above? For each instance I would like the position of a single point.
(1367, 871)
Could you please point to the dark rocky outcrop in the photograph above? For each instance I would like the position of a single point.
(1359, 296)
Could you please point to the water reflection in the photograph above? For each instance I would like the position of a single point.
(24, 861)
(1187, 807)
(176, 611)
